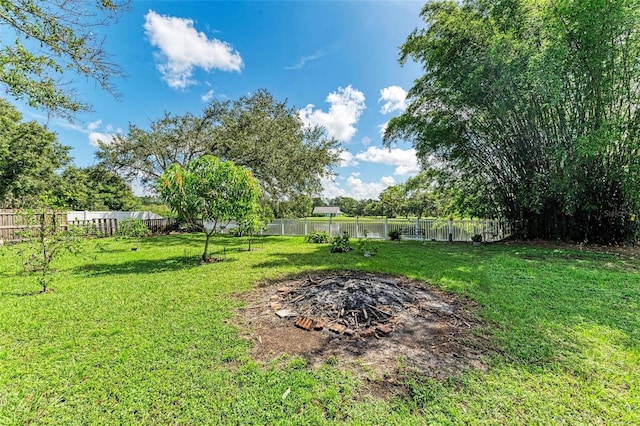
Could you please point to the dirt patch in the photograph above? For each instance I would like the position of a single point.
(376, 324)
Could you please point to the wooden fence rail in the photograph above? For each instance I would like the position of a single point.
(13, 222)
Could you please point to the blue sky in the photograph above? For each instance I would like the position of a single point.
(335, 61)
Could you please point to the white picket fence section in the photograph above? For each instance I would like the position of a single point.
(74, 216)
(414, 229)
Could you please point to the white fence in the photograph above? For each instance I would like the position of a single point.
(415, 229)
(120, 216)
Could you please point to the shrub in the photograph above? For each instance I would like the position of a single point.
(367, 245)
(341, 244)
(133, 228)
(394, 235)
(477, 238)
(317, 237)
(235, 232)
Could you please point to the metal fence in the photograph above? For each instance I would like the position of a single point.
(412, 229)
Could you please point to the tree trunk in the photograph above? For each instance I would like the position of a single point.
(205, 254)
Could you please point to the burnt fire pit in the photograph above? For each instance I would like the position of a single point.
(354, 304)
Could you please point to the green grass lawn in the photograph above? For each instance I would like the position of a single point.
(146, 337)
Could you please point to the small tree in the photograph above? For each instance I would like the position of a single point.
(209, 193)
(133, 228)
(44, 238)
(255, 222)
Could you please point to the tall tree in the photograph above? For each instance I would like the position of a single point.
(535, 103)
(29, 158)
(209, 193)
(256, 132)
(51, 40)
(93, 188)
(392, 201)
(348, 205)
(296, 206)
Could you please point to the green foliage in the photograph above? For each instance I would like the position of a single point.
(254, 222)
(209, 193)
(256, 132)
(348, 205)
(94, 188)
(394, 235)
(392, 201)
(340, 244)
(44, 239)
(366, 245)
(563, 339)
(296, 206)
(29, 157)
(132, 228)
(155, 205)
(317, 237)
(52, 40)
(532, 107)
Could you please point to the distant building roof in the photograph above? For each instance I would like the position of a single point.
(326, 210)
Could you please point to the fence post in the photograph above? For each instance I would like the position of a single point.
(281, 226)
(357, 229)
(305, 227)
(386, 228)
(417, 229)
(450, 229)
(330, 225)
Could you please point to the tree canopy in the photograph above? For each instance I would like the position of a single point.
(49, 42)
(35, 168)
(209, 193)
(29, 158)
(534, 103)
(93, 188)
(255, 131)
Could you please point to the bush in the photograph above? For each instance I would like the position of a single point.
(477, 238)
(132, 228)
(394, 235)
(235, 232)
(367, 245)
(341, 244)
(317, 237)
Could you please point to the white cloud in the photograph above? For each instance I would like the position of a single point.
(347, 159)
(303, 61)
(330, 188)
(94, 137)
(356, 188)
(395, 98)
(366, 141)
(206, 97)
(346, 108)
(360, 190)
(383, 128)
(94, 125)
(404, 160)
(183, 48)
(92, 130)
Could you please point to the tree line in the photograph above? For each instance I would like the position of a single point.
(533, 106)
(529, 106)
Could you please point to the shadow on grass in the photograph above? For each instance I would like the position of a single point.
(143, 266)
(535, 298)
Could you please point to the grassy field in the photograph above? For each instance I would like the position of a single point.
(145, 337)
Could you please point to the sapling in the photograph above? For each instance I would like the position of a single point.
(45, 237)
(133, 228)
